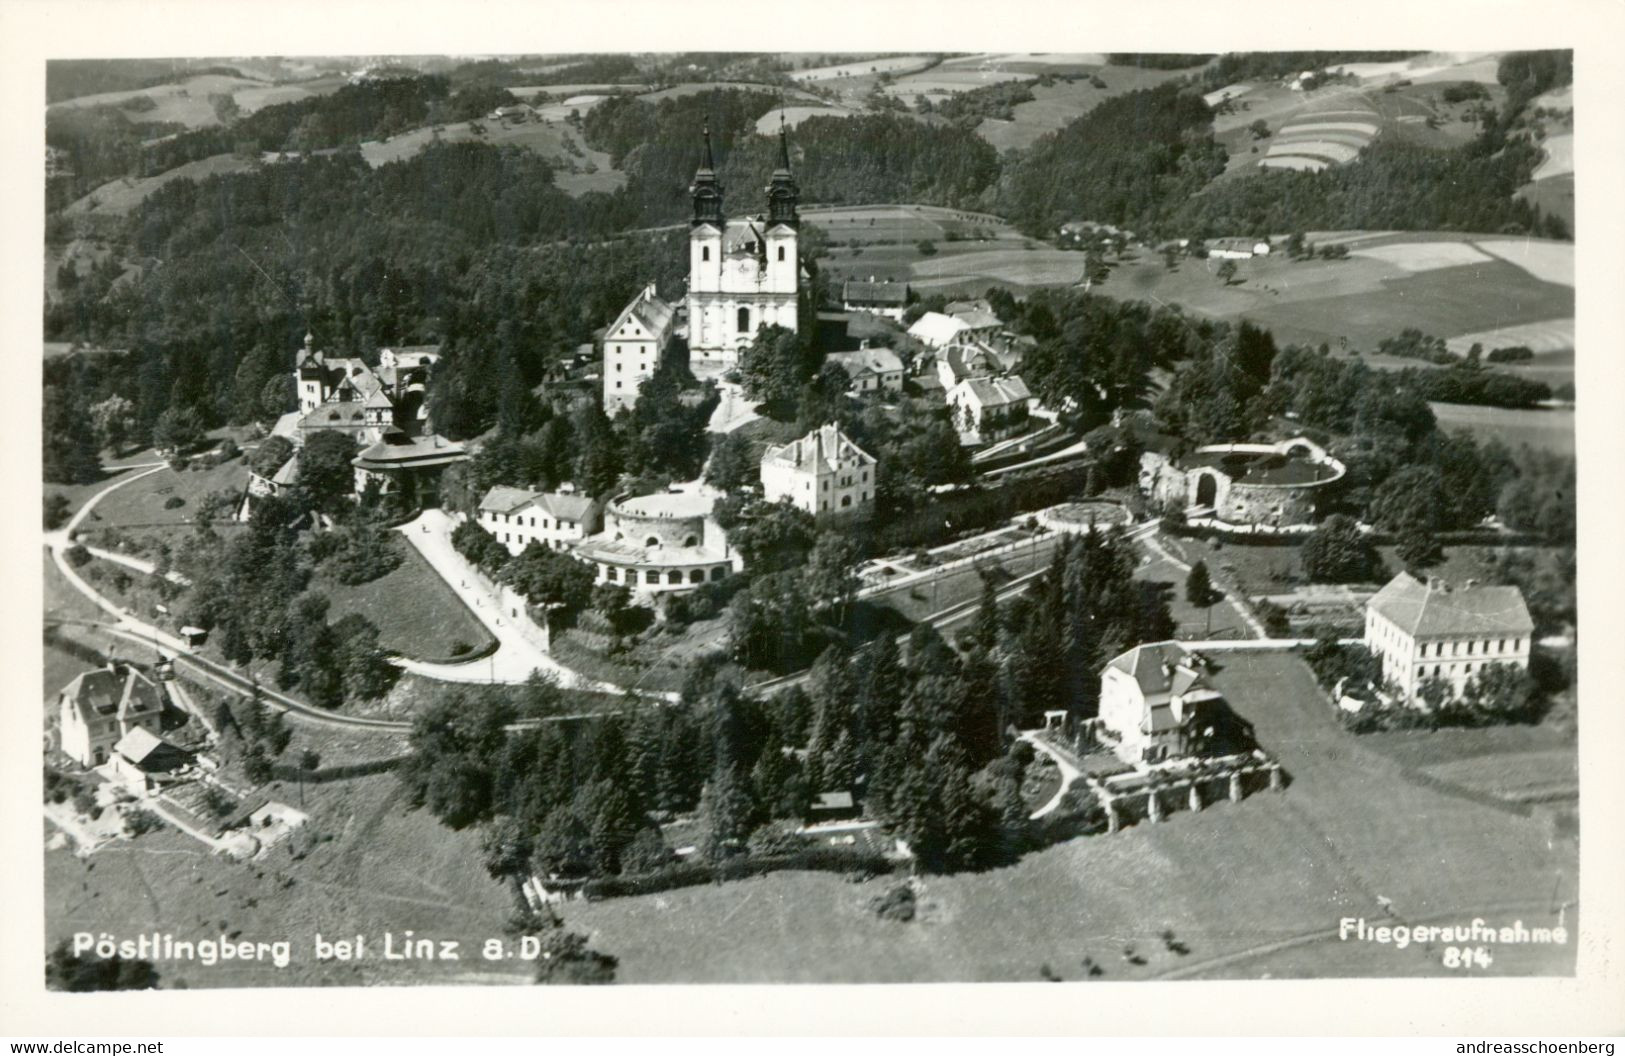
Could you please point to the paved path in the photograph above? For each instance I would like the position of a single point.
(1154, 544)
(1070, 451)
(733, 410)
(518, 654)
(1069, 773)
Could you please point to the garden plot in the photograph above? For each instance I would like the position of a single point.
(1423, 256)
(1546, 261)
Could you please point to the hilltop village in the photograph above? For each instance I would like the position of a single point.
(817, 570)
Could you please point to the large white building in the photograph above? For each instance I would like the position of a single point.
(1424, 630)
(823, 473)
(660, 544)
(743, 273)
(633, 346)
(517, 518)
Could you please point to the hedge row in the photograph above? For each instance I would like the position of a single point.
(694, 873)
(343, 772)
(957, 513)
(1463, 538)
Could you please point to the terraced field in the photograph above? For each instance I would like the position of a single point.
(1321, 137)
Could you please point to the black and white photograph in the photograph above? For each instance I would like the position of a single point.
(760, 516)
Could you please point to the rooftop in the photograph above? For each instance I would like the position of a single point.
(108, 691)
(1435, 608)
(668, 504)
(887, 293)
(397, 450)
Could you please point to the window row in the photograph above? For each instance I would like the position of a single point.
(654, 577)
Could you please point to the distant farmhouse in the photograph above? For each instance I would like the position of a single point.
(886, 299)
(1238, 248)
(557, 520)
(1422, 630)
(823, 473)
(870, 369)
(1156, 703)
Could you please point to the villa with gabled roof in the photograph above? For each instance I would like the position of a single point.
(823, 473)
(1155, 700)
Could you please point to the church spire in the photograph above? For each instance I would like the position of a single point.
(706, 190)
(783, 193)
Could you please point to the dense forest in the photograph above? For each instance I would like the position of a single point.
(885, 157)
(463, 244)
(1130, 161)
(922, 735)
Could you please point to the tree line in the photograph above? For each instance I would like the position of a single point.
(922, 734)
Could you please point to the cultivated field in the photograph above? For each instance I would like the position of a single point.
(1322, 135)
(1423, 256)
(893, 64)
(942, 82)
(1553, 336)
(1547, 261)
(1551, 428)
(1056, 105)
(381, 868)
(580, 168)
(768, 123)
(1241, 885)
(187, 101)
(125, 195)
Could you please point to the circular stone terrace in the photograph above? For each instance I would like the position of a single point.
(1267, 465)
(1077, 517)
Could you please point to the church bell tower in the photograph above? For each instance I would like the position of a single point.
(706, 190)
(783, 193)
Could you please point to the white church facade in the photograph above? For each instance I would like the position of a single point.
(743, 273)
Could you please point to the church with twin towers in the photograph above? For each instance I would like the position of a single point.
(744, 273)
